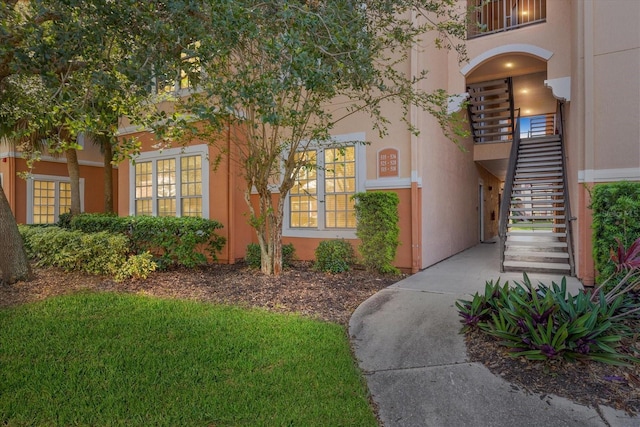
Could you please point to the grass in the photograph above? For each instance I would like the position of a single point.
(107, 359)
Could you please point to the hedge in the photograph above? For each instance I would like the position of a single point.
(184, 241)
(616, 215)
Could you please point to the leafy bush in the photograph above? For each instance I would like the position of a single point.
(137, 267)
(547, 322)
(616, 215)
(253, 255)
(378, 230)
(72, 250)
(334, 256)
(173, 241)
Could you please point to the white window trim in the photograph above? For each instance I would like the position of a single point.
(54, 178)
(175, 153)
(361, 174)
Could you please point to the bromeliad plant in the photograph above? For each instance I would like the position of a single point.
(547, 322)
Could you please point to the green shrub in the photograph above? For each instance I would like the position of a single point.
(101, 253)
(334, 256)
(253, 255)
(547, 322)
(378, 230)
(137, 267)
(173, 241)
(616, 215)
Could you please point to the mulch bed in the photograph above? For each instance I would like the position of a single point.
(334, 297)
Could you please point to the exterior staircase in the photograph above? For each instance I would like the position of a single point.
(491, 110)
(535, 236)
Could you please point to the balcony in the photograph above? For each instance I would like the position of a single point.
(494, 16)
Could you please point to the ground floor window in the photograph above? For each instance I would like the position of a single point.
(48, 197)
(171, 183)
(320, 202)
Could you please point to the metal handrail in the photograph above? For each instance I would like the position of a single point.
(508, 187)
(567, 206)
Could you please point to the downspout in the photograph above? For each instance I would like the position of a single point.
(10, 190)
(416, 223)
(230, 207)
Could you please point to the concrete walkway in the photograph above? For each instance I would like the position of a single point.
(407, 341)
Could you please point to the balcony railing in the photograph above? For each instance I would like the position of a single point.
(493, 16)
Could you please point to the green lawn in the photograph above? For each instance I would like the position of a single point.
(113, 359)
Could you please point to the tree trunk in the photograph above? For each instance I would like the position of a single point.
(108, 177)
(14, 265)
(74, 175)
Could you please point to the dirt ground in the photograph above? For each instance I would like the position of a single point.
(334, 297)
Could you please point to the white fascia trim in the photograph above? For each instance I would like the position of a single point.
(18, 155)
(505, 49)
(609, 175)
(56, 178)
(202, 149)
(390, 183)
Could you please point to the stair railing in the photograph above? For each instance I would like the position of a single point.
(568, 218)
(508, 187)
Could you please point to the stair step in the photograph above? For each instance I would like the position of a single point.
(537, 168)
(536, 188)
(498, 125)
(498, 100)
(487, 84)
(490, 111)
(540, 156)
(537, 202)
(535, 233)
(540, 151)
(533, 193)
(523, 224)
(532, 164)
(535, 254)
(529, 175)
(538, 209)
(533, 180)
(484, 135)
(538, 139)
(536, 244)
(536, 266)
(488, 92)
(538, 217)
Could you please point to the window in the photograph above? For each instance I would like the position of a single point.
(180, 80)
(48, 197)
(171, 183)
(320, 202)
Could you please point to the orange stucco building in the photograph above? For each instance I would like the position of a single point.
(543, 76)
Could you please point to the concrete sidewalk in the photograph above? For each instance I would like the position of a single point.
(407, 342)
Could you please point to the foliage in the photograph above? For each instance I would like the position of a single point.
(378, 230)
(547, 322)
(334, 256)
(184, 241)
(137, 267)
(253, 256)
(108, 359)
(616, 215)
(624, 281)
(93, 253)
(269, 74)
